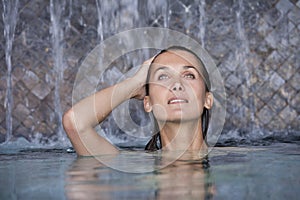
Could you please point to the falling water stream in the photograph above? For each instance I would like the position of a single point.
(100, 26)
(10, 15)
(202, 22)
(56, 13)
(242, 55)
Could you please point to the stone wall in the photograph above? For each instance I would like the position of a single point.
(255, 45)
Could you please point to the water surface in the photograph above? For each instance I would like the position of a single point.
(251, 172)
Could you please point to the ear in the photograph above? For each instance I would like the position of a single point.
(147, 104)
(209, 100)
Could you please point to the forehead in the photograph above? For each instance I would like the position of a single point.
(177, 57)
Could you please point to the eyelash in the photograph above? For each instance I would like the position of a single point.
(190, 76)
(164, 76)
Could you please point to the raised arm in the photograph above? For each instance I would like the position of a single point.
(80, 120)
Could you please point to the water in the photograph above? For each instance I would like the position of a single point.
(267, 167)
(10, 14)
(100, 26)
(202, 22)
(243, 55)
(268, 172)
(56, 14)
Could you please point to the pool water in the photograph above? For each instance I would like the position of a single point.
(250, 172)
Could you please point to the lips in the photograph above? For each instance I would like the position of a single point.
(177, 101)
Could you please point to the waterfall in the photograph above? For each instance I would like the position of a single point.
(75, 27)
(56, 13)
(100, 25)
(243, 53)
(10, 14)
(166, 11)
(202, 22)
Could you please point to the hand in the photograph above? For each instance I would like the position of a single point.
(140, 77)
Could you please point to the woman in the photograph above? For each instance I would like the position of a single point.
(174, 86)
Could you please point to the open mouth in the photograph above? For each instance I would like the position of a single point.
(177, 100)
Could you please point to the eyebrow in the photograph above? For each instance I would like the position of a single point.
(189, 67)
(167, 68)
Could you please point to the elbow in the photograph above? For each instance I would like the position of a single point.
(69, 123)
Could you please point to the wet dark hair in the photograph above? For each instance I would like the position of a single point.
(155, 142)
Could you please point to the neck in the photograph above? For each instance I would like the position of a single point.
(182, 136)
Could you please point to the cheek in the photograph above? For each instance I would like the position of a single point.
(198, 94)
(159, 112)
(198, 90)
(156, 91)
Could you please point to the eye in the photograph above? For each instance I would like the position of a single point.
(163, 77)
(189, 76)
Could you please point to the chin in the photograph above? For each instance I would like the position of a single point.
(180, 119)
(178, 116)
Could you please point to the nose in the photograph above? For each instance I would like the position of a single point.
(177, 86)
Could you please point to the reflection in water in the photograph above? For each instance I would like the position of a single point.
(88, 178)
(186, 179)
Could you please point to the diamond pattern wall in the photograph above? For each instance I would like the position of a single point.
(255, 45)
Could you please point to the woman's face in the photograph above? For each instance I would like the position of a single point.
(176, 88)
